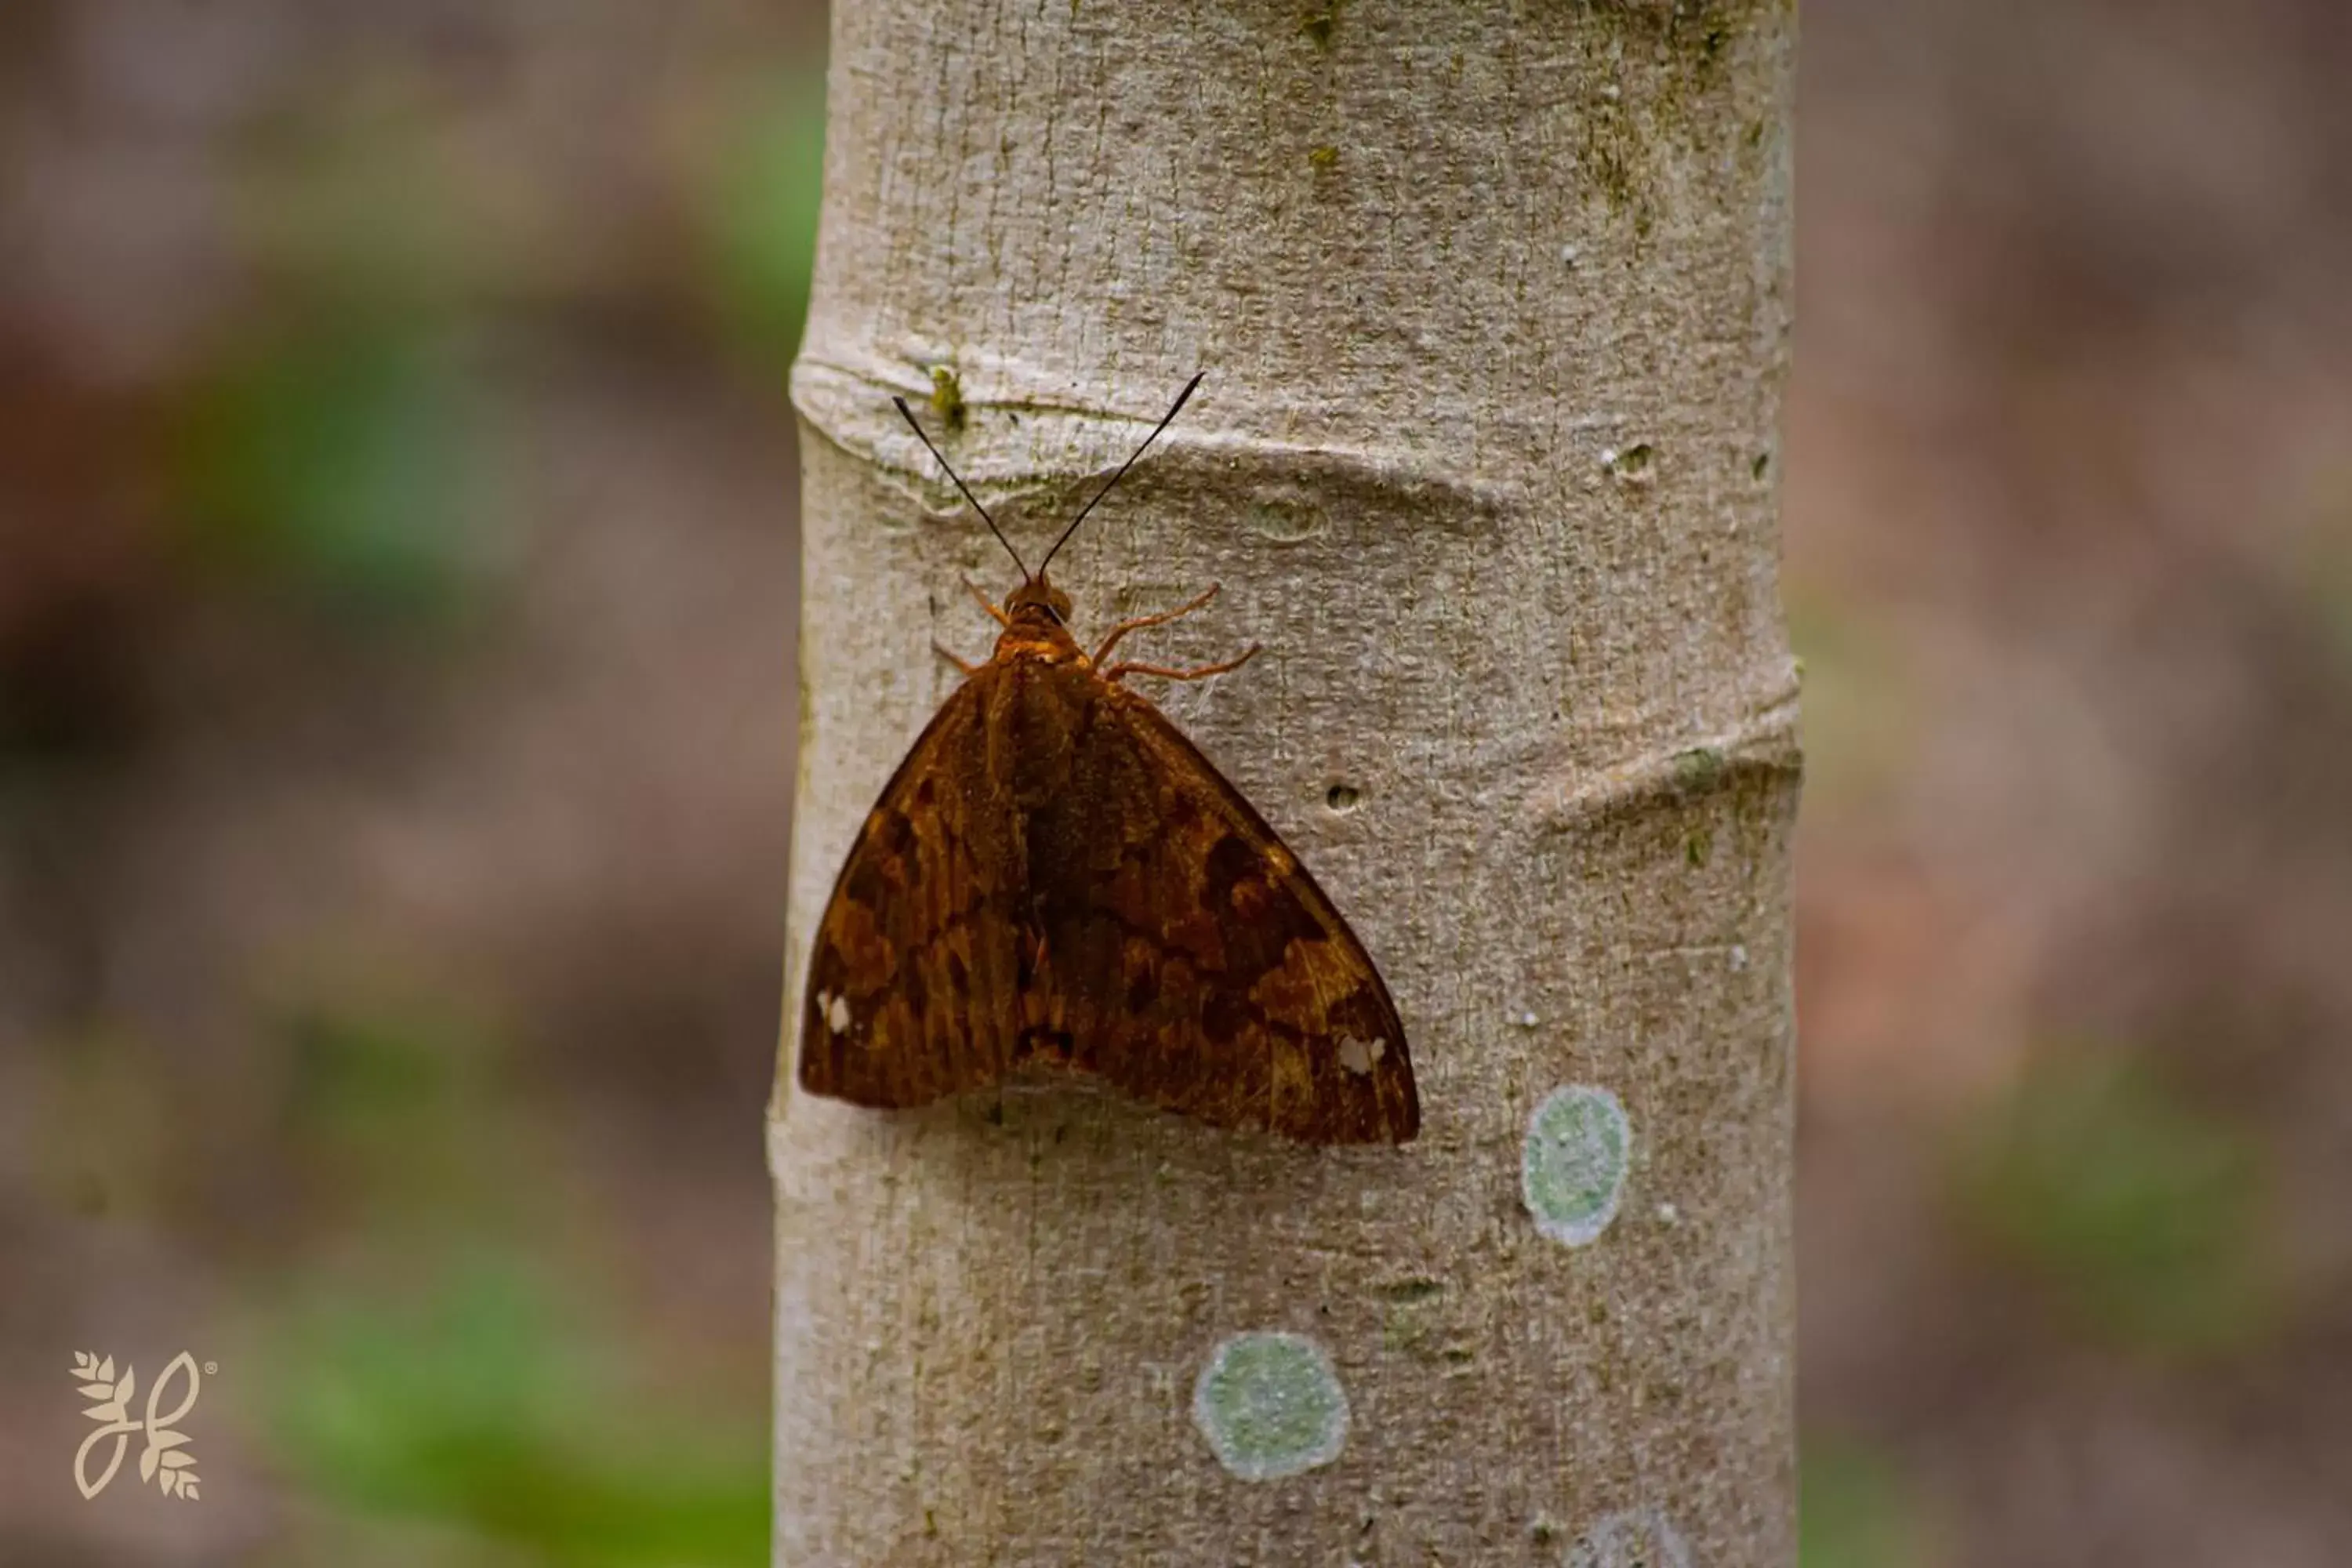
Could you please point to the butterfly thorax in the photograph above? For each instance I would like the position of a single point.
(1034, 628)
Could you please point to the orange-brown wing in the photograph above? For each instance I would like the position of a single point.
(912, 988)
(1194, 963)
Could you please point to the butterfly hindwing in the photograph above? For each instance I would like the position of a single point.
(912, 983)
(1196, 964)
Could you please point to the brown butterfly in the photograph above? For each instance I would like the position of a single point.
(1055, 878)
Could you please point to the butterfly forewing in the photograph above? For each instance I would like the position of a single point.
(912, 982)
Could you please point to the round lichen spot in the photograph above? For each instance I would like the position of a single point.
(1270, 1405)
(1572, 1170)
(1637, 1538)
(1285, 520)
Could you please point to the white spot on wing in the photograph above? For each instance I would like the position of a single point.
(836, 1011)
(1357, 1056)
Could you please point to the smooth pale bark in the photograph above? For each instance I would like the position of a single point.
(1493, 304)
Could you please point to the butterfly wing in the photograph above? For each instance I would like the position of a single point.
(912, 987)
(1194, 962)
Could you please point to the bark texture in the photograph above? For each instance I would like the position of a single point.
(1493, 304)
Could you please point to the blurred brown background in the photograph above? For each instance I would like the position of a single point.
(396, 614)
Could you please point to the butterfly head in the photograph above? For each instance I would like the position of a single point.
(1041, 601)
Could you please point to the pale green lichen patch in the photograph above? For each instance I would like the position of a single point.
(1414, 1291)
(1637, 464)
(1285, 520)
(1270, 1405)
(1637, 1538)
(947, 397)
(1698, 770)
(1572, 1168)
(2139, 1211)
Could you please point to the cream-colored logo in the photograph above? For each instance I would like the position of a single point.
(166, 1460)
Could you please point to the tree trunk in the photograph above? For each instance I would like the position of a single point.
(1493, 303)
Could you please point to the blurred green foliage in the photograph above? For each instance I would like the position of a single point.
(764, 216)
(1856, 1511)
(390, 1107)
(2142, 1214)
(439, 1373)
(486, 1398)
(338, 450)
(342, 462)
(369, 1072)
(439, 1355)
(445, 1363)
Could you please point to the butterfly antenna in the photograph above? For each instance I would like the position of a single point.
(908, 414)
(1164, 420)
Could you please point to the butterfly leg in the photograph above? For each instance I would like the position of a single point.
(1116, 670)
(1162, 619)
(985, 601)
(952, 658)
